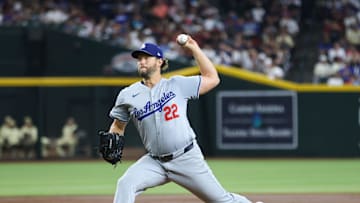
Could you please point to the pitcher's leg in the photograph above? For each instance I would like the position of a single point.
(192, 172)
(143, 174)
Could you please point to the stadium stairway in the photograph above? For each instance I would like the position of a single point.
(305, 53)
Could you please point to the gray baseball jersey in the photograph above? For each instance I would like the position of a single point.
(159, 113)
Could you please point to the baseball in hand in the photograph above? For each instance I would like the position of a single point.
(182, 39)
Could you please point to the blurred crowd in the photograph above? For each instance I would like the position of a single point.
(257, 35)
(339, 50)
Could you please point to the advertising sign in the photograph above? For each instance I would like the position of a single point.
(257, 120)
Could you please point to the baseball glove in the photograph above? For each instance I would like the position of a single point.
(111, 146)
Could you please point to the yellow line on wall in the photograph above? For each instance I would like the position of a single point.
(65, 81)
(125, 81)
(262, 79)
(255, 77)
(326, 88)
(81, 81)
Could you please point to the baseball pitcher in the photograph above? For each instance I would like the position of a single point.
(158, 107)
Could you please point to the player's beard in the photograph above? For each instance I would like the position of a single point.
(147, 72)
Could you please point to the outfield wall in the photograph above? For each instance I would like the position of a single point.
(247, 115)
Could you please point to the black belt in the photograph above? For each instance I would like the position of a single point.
(169, 157)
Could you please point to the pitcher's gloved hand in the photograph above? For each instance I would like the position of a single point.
(111, 146)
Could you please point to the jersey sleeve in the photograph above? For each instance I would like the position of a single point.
(120, 109)
(189, 85)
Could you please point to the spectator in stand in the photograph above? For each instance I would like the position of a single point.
(54, 15)
(212, 20)
(250, 28)
(337, 64)
(160, 9)
(337, 51)
(352, 34)
(352, 54)
(284, 39)
(322, 70)
(225, 51)
(256, 63)
(99, 29)
(29, 137)
(10, 136)
(335, 80)
(66, 144)
(273, 71)
(258, 11)
(290, 24)
(347, 75)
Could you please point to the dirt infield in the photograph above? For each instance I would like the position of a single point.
(268, 198)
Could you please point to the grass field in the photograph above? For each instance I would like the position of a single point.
(236, 175)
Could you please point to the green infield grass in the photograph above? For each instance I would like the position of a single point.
(236, 175)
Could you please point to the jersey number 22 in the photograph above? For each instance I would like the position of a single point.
(171, 112)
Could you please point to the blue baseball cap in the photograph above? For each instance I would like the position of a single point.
(149, 49)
